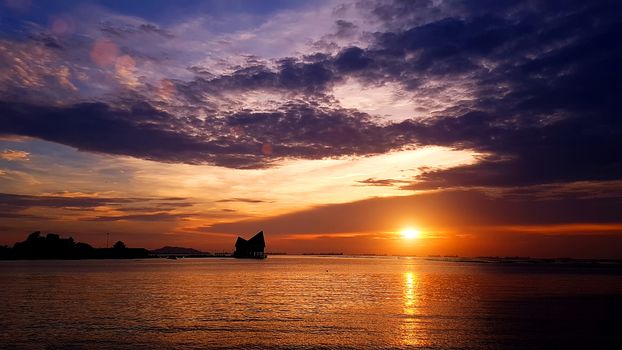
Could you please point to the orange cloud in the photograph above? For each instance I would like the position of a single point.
(13, 155)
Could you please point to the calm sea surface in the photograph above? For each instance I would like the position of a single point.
(289, 302)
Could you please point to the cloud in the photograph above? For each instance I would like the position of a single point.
(533, 86)
(238, 140)
(141, 131)
(140, 30)
(450, 210)
(162, 216)
(15, 215)
(69, 207)
(573, 149)
(14, 155)
(345, 28)
(55, 201)
(18, 202)
(381, 182)
(242, 200)
(543, 103)
(537, 78)
(296, 77)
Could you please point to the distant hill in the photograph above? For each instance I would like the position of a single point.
(53, 246)
(176, 251)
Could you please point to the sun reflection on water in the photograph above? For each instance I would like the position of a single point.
(410, 280)
(410, 326)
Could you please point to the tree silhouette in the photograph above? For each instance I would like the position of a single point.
(119, 245)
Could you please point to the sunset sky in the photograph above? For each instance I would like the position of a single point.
(488, 127)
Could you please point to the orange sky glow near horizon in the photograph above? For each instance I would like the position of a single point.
(306, 207)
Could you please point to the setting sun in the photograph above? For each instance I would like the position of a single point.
(410, 233)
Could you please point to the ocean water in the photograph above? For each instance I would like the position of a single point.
(305, 302)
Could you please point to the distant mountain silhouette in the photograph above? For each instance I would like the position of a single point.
(177, 251)
(52, 246)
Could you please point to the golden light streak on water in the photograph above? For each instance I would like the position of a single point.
(410, 328)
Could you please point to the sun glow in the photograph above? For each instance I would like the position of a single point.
(410, 233)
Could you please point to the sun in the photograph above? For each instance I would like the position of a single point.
(410, 233)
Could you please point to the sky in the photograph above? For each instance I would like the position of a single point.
(489, 128)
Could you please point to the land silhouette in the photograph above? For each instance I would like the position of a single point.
(52, 246)
(168, 250)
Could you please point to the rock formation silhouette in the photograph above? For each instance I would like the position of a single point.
(251, 249)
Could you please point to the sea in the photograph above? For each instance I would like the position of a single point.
(309, 302)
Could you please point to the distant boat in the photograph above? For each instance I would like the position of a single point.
(251, 249)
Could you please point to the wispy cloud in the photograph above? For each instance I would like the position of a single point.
(243, 200)
(14, 155)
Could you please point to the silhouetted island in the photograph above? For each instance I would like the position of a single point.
(181, 252)
(167, 250)
(52, 246)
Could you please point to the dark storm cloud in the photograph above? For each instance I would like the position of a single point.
(547, 85)
(307, 131)
(291, 75)
(140, 131)
(352, 59)
(573, 149)
(236, 140)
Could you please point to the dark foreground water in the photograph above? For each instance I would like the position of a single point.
(306, 303)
